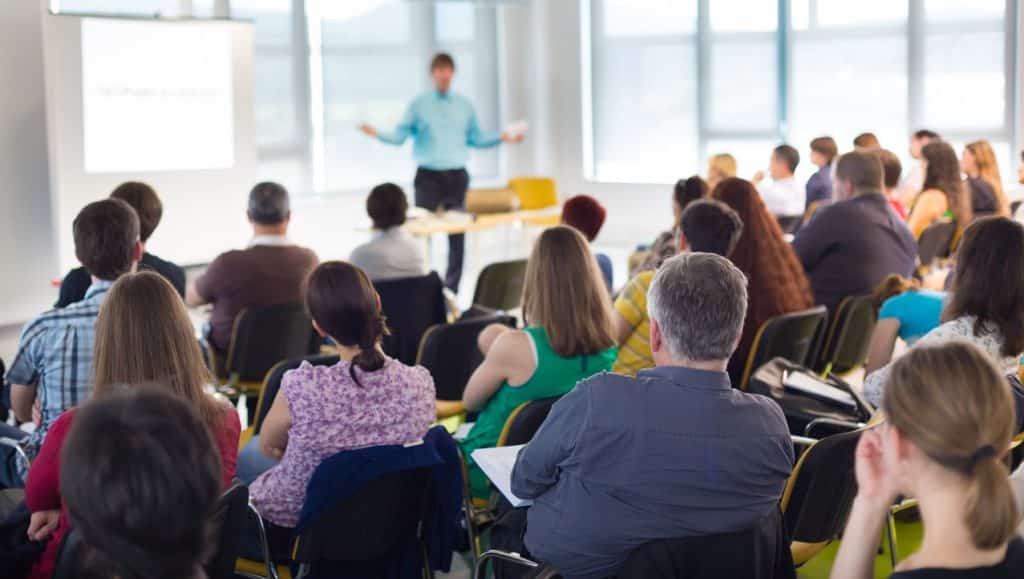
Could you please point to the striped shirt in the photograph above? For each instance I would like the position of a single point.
(635, 352)
(55, 356)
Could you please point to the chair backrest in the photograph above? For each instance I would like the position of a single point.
(759, 552)
(263, 336)
(789, 223)
(411, 305)
(790, 336)
(821, 489)
(500, 285)
(935, 241)
(534, 192)
(849, 335)
(272, 383)
(450, 353)
(370, 523)
(69, 556)
(229, 522)
(525, 421)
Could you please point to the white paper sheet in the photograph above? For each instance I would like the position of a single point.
(497, 464)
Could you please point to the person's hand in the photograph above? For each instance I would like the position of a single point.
(758, 177)
(874, 481)
(368, 130)
(512, 138)
(42, 524)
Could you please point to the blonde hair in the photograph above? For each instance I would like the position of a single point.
(955, 405)
(892, 286)
(564, 293)
(144, 336)
(724, 165)
(988, 168)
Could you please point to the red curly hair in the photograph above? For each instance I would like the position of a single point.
(776, 281)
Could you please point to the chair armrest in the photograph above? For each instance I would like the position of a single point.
(481, 566)
(264, 545)
(847, 426)
(4, 441)
(803, 440)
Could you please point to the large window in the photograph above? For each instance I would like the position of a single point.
(674, 82)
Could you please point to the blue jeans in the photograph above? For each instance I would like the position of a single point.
(252, 463)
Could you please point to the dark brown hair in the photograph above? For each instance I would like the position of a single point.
(825, 146)
(892, 168)
(711, 227)
(387, 206)
(777, 282)
(146, 204)
(988, 281)
(788, 155)
(343, 302)
(106, 232)
(584, 214)
(943, 173)
(892, 286)
(866, 141)
(442, 60)
(688, 190)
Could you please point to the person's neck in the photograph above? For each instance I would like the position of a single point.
(705, 365)
(279, 230)
(783, 177)
(347, 353)
(947, 541)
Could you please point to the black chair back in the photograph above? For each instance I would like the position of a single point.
(525, 421)
(760, 552)
(370, 523)
(500, 285)
(229, 522)
(451, 354)
(935, 242)
(69, 556)
(790, 336)
(272, 383)
(790, 224)
(411, 305)
(849, 335)
(263, 336)
(821, 490)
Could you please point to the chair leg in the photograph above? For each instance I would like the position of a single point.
(890, 531)
(264, 543)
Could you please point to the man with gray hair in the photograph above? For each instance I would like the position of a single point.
(672, 453)
(268, 272)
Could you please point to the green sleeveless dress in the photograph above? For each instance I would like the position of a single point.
(555, 376)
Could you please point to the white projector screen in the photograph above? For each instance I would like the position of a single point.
(174, 84)
(167, 102)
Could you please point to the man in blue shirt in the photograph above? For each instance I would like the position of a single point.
(672, 453)
(443, 125)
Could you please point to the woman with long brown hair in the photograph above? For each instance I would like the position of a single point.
(143, 336)
(944, 447)
(983, 180)
(777, 282)
(568, 337)
(943, 194)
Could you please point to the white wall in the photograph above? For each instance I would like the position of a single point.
(27, 249)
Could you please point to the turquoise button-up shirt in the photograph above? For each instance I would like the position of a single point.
(443, 127)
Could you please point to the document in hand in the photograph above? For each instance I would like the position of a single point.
(497, 464)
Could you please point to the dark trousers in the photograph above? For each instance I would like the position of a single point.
(445, 190)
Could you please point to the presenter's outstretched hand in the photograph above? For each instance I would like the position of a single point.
(512, 138)
(368, 130)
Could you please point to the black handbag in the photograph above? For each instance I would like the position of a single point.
(800, 408)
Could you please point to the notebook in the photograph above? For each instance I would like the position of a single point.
(813, 386)
(497, 464)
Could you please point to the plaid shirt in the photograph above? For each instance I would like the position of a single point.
(55, 356)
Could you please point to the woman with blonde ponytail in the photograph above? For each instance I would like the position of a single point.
(947, 451)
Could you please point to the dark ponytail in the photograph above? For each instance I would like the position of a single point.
(343, 302)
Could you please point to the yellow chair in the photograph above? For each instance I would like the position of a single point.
(534, 192)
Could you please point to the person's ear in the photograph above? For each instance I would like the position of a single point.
(657, 339)
(682, 242)
(137, 251)
(248, 216)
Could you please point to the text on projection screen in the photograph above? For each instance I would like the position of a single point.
(157, 96)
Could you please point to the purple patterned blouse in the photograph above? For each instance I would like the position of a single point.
(331, 413)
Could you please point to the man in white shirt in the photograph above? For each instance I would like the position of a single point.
(784, 196)
(392, 253)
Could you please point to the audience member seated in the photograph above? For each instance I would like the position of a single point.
(849, 247)
(139, 512)
(720, 167)
(866, 142)
(777, 284)
(913, 181)
(819, 187)
(268, 272)
(52, 370)
(367, 399)
(147, 205)
(945, 450)
(143, 337)
(705, 226)
(671, 453)
(784, 196)
(392, 253)
(569, 337)
(587, 215)
(906, 312)
(686, 191)
(983, 180)
(944, 195)
(986, 306)
(892, 168)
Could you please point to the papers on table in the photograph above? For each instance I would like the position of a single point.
(463, 431)
(497, 464)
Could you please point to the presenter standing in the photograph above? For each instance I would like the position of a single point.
(443, 126)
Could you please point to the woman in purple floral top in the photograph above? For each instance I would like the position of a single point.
(365, 400)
